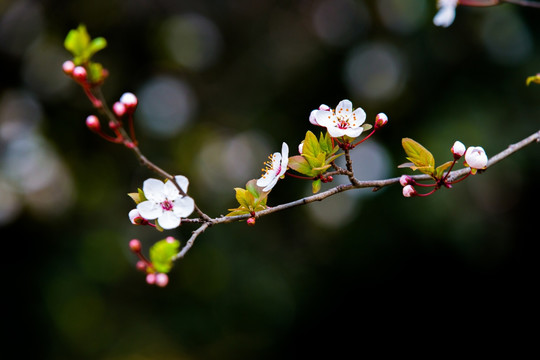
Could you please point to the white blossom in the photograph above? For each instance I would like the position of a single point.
(275, 168)
(342, 121)
(476, 157)
(165, 203)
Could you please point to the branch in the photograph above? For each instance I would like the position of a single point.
(355, 184)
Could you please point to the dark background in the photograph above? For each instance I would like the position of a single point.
(221, 84)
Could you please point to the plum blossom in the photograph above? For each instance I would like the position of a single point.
(165, 203)
(446, 14)
(275, 168)
(312, 115)
(342, 121)
(476, 158)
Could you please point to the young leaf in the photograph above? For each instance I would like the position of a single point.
(421, 158)
(161, 254)
(244, 197)
(316, 186)
(311, 145)
(439, 171)
(299, 164)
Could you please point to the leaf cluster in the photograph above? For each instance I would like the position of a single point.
(422, 159)
(162, 253)
(79, 43)
(316, 158)
(251, 199)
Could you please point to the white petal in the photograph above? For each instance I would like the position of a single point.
(271, 184)
(358, 117)
(445, 16)
(154, 190)
(170, 191)
(313, 117)
(267, 178)
(335, 131)
(324, 118)
(276, 160)
(149, 210)
(183, 206)
(183, 182)
(284, 158)
(353, 132)
(344, 107)
(168, 220)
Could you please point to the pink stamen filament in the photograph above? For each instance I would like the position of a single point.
(167, 205)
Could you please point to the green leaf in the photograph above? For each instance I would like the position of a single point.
(311, 145)
(366, 127)
(316, 186)
(534, 79)
(300, 164)
(244, 197)
(421, 158)
(97, 44)
(239, 211)
(439, 171)
(77, 41)
(161, 254)
(256, 190)
(325, 143)
(135, 197)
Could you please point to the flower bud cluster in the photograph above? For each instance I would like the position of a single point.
(474, 157)
(144, 265)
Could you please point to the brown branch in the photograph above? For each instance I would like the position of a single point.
(355, 184)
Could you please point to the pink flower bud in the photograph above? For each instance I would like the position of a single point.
(170, 239)
(380, 120)
(93, 123)
(129, 100)
(405, 180)
(251, 221)
(162, 280)
(476, 157)
(409, 191)
(141, 265)
(301, 147)
(135, 245)
(79, 74)
(68, 67)
(151, 278)
(119, 109)
(135, 217)
(458, 149)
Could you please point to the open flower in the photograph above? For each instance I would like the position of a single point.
(476, 158)
(275, 168)
(165, 203)
(446, 14)
(342, 121)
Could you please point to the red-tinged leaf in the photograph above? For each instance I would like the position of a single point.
(299, 164)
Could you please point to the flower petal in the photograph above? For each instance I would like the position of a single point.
(284, 158)
(271, 184)
(267, 178)
(336, 132)
(149, 210)
(344, 107)
(168, 220)
(358, 117)
(183, 206)
(170, 191)
(324, 118)
(353, 132)
(154, 190)
(183, 182)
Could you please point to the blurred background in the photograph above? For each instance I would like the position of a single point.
(221, 84)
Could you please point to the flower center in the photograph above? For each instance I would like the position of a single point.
(269, 165)
(167, 205)
(343, 124)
